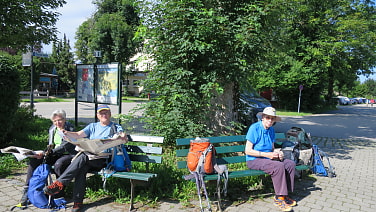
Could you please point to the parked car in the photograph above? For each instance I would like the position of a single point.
(343, 100)
(353, 101)
(250, 104)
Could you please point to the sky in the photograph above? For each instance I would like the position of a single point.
(363, 78)
(73, 14)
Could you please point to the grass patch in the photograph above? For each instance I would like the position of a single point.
(51, 99)
(133, 99)
(282, 112)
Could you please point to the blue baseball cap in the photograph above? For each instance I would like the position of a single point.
(102, 107)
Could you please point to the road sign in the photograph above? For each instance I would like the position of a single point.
(301, 87)
(26, 59)
(37, 54)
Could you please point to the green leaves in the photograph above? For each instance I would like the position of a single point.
(26, 23)
(111, 30)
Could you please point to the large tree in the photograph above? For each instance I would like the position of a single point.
(25, 23)
(319, 44)
(200, 49)
(111, 30)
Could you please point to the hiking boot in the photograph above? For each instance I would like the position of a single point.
(77, 207)
(24, 199)
(54, 188)
(290, 201)
(281, 204)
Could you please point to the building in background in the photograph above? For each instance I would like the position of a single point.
(136, 71)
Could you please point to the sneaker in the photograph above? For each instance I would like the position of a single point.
(290, 201)
(24, 199)
(77, 207)
(54, 188)
(281, 204)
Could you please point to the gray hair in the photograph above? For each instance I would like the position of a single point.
(59, 112)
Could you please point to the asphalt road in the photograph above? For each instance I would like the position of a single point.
(85, 111)
(353, 121)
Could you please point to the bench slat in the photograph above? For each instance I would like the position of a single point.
(213, 140)
(147, 139)
(146, 158)
(223, 160)
(219, 150)
(134, 175)
(144, 149)
(234, 174)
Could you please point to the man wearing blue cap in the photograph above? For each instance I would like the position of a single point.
(86, 161)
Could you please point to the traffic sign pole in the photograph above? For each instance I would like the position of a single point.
(300, 94)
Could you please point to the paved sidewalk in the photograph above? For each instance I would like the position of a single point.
(352, 190)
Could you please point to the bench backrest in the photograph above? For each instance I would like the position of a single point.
(144, 151)
(231, 144)
(230, 149)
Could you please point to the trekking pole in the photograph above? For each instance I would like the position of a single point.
(205, 191)
(198, 189)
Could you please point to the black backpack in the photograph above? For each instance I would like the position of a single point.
(300, 137)
(298, 146)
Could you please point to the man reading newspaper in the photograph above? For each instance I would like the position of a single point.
(104, 129)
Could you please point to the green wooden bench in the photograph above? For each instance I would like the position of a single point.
(143, 152)
(230, 150)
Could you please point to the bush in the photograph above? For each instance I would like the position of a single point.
(9, 87)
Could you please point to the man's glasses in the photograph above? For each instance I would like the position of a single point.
(269, 118)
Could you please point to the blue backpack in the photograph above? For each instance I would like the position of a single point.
(318, 166)
(35, 193)
(120, 162)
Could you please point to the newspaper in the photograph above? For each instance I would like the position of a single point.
(94, 146)
(20, 153)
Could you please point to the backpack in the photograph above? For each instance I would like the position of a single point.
(200, 156)
(200, 161)
(290, 151)
(302, 145)
(318, 166)
(35, 192)
(120, 160)
(300, 137)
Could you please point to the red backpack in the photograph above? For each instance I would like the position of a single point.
(201, 156)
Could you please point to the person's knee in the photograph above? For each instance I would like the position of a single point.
(279, 167)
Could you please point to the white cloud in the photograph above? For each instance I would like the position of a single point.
(73, 14)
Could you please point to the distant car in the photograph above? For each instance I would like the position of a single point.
(250, 104)
(353, 101)
(343, 100)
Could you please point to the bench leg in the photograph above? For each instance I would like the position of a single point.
(132, 195)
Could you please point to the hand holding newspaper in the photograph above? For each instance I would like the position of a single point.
(20, 153)
(95, 146)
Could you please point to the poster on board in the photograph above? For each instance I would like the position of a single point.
(85, 83)
(107, 89)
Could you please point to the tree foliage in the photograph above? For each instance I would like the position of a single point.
(63, 60)
(25, 23)
(110, 30)
(319, 44)
(200, 47)
(9, 87)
